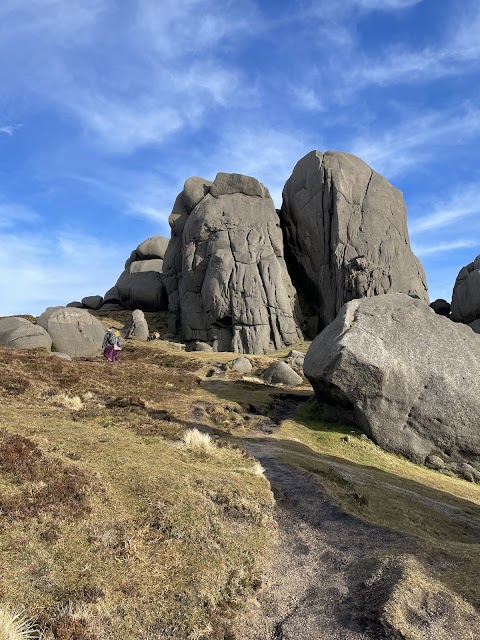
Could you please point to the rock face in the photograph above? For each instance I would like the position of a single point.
(346, 237)
(73, 331)
(224, 269)
(20, 333)
(466, 294)
(408, 376)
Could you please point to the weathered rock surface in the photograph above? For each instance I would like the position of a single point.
(142, 290)
(136, 326)
(475, 326)
(140, 286)
(75, 332)
(346, 237)
(441, 306)
(466, 294)
(242, 365)
(20, 333)
(408, 376)
(281, 373)
(224, 270)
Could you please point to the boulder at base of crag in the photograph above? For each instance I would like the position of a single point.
(409, 378)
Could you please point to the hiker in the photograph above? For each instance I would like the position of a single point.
(117, 347)
(108, 344)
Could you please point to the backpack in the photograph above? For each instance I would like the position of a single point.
(111, 339)
(119, 342)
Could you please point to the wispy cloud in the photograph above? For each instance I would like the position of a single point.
(442, 247)
(10, 129)
(54, 269)
(384, 5)
(416, 139)
(12, 213)
(461, 205)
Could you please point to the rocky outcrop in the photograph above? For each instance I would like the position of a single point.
(345, 230)
(224, 270)
(140, 286)
(75, 332)
(408, 377)
(466, 294)
(20, 333)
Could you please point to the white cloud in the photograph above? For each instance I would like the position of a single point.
(10, 129)
(132, 78)
(442, 247)
(385, 5)
(464, 204)
(40, 270)
(415, 140)
(12, 214)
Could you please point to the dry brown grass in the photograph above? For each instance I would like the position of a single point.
(114, 531)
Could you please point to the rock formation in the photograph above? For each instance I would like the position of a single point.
(136, 326)
(408, 376)
(20, 333)
(224, 269)
(466, 294)
(73, 331)
(346, 237)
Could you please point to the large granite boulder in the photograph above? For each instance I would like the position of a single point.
(345, 230)
(20, 333)
(466, 294)
(408, 376)
(224, 270)
(75, 332)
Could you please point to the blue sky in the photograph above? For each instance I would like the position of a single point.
(106, 107)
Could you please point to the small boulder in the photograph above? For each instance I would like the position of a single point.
(136, 326)
(19, 333)
(75, 332)
(63, 356)
(76, 304)
(281, 373)
(242, 365)
(435, 462)
(199, 346)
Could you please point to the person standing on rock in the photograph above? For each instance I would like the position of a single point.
(108, 344)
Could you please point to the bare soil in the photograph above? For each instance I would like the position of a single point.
(309, 587)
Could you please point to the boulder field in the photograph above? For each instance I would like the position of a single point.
(407, 376)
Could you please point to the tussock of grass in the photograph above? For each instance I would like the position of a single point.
(196, 441)
(15, 625)
(74, 403)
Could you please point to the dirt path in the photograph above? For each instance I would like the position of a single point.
(310, 588)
